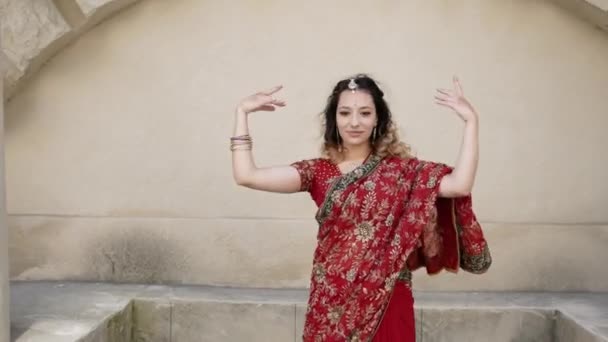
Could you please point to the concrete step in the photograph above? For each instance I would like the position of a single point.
(103, 312)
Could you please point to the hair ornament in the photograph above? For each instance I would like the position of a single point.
(352, 85)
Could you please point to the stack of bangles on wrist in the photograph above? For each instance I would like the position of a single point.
(241, 142)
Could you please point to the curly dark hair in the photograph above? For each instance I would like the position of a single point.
(386, 140)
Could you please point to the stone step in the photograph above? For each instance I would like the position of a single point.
(100, 312)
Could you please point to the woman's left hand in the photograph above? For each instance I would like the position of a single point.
(455, 100)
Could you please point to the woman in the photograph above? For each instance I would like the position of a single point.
(382, 212)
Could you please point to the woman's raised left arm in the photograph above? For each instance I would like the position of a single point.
(460, 181)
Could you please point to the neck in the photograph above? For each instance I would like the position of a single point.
(356, 152)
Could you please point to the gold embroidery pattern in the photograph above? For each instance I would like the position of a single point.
(476, 263)
(338, 187)
(306, 169)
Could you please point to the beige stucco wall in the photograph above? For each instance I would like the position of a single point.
(117, 150)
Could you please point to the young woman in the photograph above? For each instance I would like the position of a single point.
(382, 212)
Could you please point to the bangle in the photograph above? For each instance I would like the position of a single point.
(241, 142)
(245, 137)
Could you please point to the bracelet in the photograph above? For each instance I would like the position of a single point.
(241, 143)
(245, 137)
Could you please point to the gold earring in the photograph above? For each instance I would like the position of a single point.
(338, 140)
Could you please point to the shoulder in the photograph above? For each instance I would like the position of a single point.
(401, 162)
(312, 162)
(312, 166)
(310, 170)
(415, 164)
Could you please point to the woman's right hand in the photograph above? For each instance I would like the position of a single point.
(261, 101)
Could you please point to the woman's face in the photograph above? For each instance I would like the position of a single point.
(356, 117)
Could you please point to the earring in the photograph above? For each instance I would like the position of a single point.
(338, 140)
(374, 135)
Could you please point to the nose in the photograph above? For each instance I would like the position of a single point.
(354, 120)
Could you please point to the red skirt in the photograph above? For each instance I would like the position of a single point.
(398, 324)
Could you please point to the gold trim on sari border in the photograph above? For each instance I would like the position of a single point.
(405, 275)
(343, 182)
(477, 263)
(474, 263)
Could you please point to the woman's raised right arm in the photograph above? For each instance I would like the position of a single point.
(281, 179)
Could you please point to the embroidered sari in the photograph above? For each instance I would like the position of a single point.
(376, 223)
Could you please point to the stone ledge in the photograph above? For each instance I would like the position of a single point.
(592, 11)
(54, 311)
(35, 30)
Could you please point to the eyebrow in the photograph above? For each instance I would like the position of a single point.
(346, 107)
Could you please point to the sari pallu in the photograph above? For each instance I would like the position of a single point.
(373, 221)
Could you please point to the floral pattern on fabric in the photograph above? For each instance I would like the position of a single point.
(372, 221)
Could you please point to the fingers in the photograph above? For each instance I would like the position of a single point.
(272, 105)
(444, 98)
(445, 92)
(272, 102)
(444, 103)
(272, 90)
(445, 95)
(457, 88)
(269, 99)
(439, 99)
(264, 101)
(457, 85)
(268, 108)
(276, 102)
(450, 98)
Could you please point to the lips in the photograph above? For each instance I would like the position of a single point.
(355, 133)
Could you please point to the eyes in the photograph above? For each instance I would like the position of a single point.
(345, 113)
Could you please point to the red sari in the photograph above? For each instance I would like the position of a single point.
(376, 223)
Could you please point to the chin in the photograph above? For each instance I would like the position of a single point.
(356, 143)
